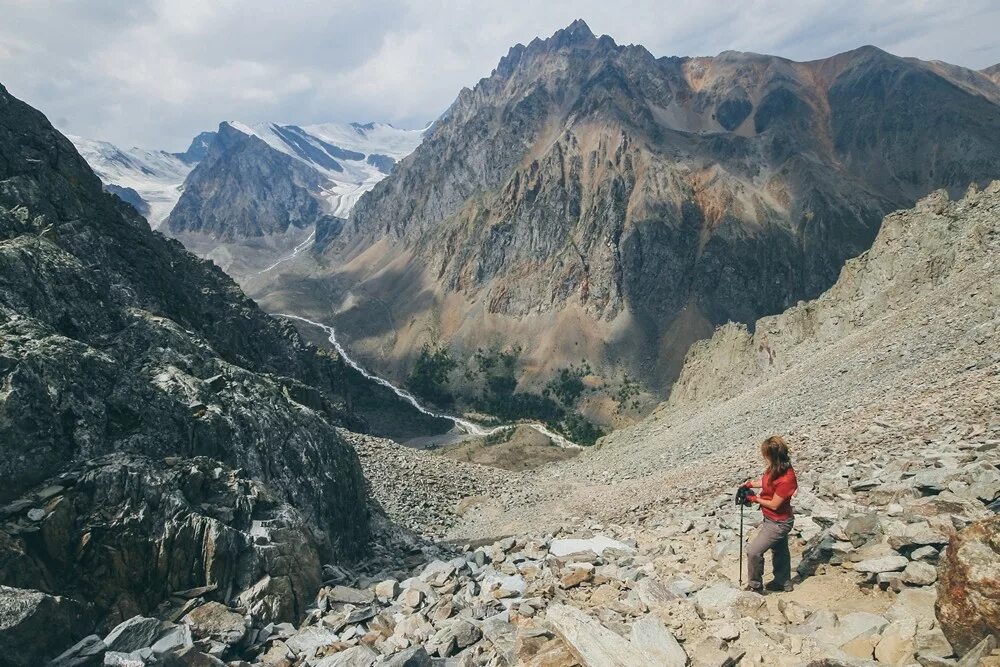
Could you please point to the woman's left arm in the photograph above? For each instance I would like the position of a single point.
(772, 503)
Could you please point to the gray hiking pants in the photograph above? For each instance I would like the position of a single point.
(773, 535)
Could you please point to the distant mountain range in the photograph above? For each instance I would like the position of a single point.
(589, 200)
(323, 169)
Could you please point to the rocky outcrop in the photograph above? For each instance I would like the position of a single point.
(916, 251)
(589, 199)
(968, 604)
(126, 532)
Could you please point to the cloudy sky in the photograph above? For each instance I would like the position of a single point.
(155, 72)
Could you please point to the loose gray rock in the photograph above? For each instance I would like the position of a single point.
(919, 574)
(88, 651)
(136, 633)
(659, 646)
(882, 564)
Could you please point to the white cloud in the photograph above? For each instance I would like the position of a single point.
(155, 72)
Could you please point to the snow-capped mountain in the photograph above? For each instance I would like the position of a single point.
(353, 156)
(336, 163)
(271, 180)
(150, 180)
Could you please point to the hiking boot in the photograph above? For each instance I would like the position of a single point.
(777, 586)
(754, 588)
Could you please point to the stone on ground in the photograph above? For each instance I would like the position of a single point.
(659, 646)
(595, 645)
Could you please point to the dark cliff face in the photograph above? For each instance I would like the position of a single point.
(113, 338)
(587, 175)
(245, 188)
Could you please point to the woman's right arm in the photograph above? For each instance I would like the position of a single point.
(753, 484)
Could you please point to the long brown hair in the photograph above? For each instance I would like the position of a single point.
(775, 450)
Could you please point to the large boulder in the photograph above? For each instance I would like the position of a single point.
(591, 642)
(968, 605)
(36, 627)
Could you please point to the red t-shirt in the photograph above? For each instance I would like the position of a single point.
(785, 486)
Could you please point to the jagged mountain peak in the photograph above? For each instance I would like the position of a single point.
(275, 179)
(576, 33)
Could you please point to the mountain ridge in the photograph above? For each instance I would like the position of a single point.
(591, 200)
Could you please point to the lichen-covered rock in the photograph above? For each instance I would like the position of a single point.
(35, 626)
(138, 530)
(968, 603)
(213, 620)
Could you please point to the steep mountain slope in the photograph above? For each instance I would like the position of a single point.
(993, 73)
(589, 200)
(113, 338)
(149, 180)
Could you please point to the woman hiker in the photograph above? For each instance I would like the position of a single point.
(777, 486)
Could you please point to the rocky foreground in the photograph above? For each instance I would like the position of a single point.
(898, 564)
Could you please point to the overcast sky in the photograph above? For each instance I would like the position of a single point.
(155, 72)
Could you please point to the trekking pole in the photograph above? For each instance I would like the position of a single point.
(741, 544)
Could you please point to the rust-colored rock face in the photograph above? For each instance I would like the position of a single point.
(968, 605)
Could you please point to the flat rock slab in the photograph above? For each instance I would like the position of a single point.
(714, 599)
(310, 638)
(350, 595)
(651, 637)
(849, 627)
(596, 544)
(356, 656)
(135, 633)
(915, 603)
(882, 564)
(594, 644)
